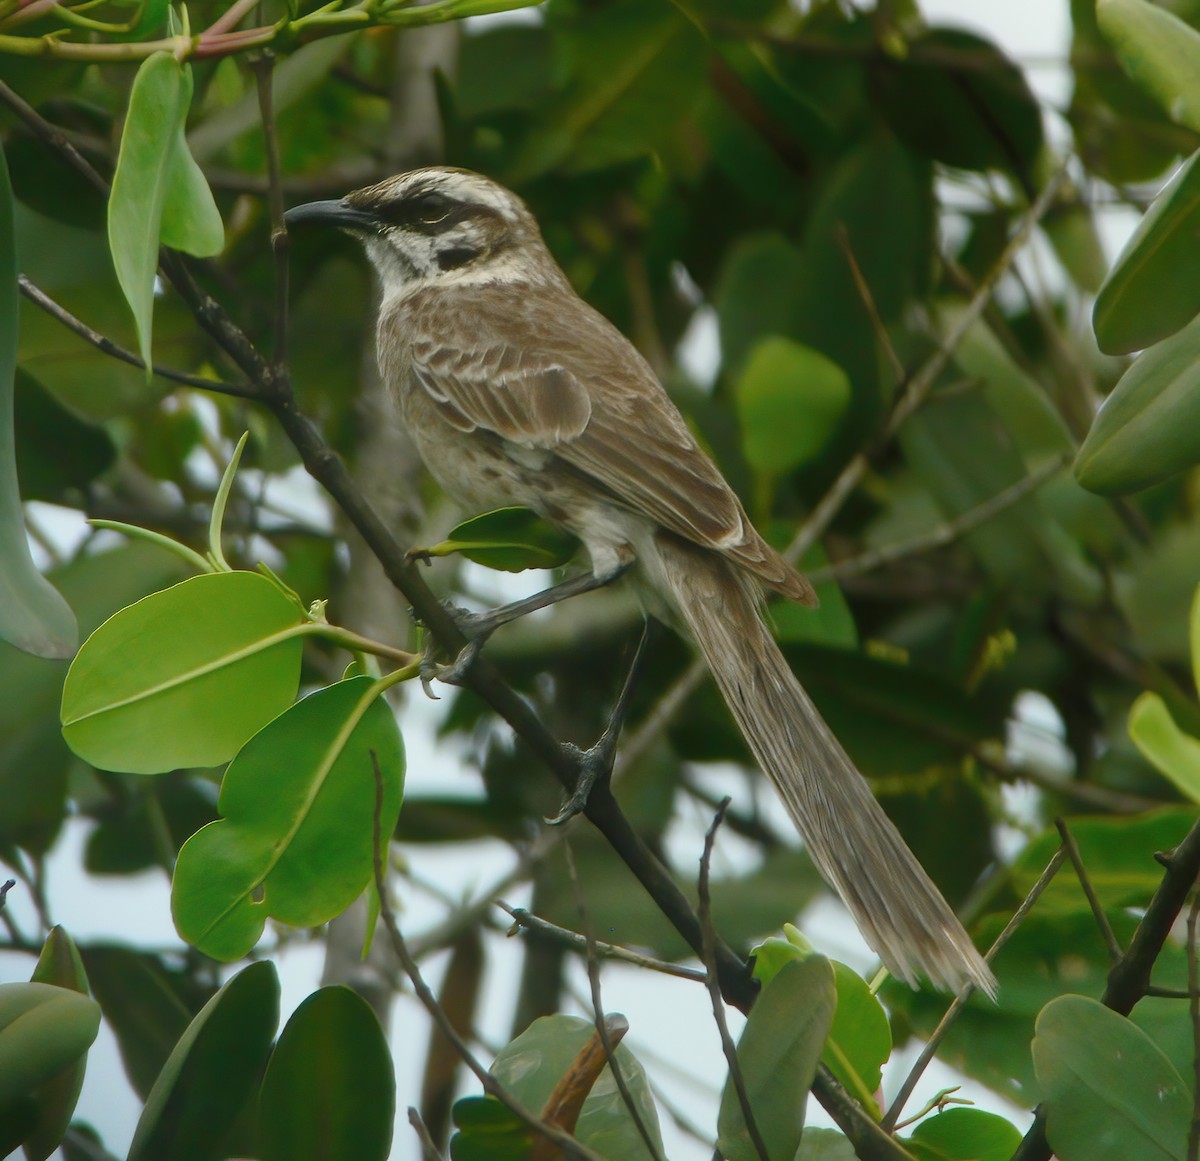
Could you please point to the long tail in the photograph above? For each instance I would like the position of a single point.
(854, 844)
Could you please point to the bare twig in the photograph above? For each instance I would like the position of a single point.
(714, 990)
(524, 919)
(1072, 849)
(842, 237)
(569, 1145)
(598, 1017)
(1128, 980)
(967, 990)
(429, 1151)
(264, 71)
(946, 532)
(44, 302)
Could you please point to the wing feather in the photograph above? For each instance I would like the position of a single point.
(551, 373)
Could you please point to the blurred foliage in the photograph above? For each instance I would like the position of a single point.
(789, 209)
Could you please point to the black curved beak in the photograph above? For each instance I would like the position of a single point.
(331, 213)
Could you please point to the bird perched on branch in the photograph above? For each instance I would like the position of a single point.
(517, 392)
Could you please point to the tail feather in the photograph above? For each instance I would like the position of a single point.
(854, 844)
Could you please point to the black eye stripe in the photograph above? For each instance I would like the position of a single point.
(431, 213)
(455, 256)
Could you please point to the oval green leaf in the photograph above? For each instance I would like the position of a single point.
(158, 193)
(790, 401)
(54, 1102)
(183, 677)
(296, 839)
(33, 614)
(1153, 288)
(330, 1089)
(43, 1029)
(1173, 753)
(1109, 1091)
(1149, 427)
(509, 539)
(778, 1054)
(212, 1073)
(968, 1135)
(532, 1065)
(1158, 51)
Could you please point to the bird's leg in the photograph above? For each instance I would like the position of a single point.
(478, 627)
(596, 763)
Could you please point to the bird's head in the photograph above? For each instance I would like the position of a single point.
(438, 226)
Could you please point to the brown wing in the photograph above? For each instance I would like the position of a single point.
(546, 371)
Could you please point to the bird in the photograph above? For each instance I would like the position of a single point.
(517, 392)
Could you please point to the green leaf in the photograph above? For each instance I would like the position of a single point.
(532, 1065)
(158, 194)
(330, 1090)
(43, 1029)
(1159, 51)
(33, 615)
(968, 1135)
(183, 677)
(1153, 288)
(639, 68)
(860, 1039)
(778, 1053)
(509, 539)
(212, 1073)
(296, 840)
(487, 1131)
(54, 1102)
(830, 623)
(825, 1145)
(790, 401)
(1173, 753)
(1149, 427)
(959, 99)
(1109, 1093)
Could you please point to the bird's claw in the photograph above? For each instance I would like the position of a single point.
(594, 765)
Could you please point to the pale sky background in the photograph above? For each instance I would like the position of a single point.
(671, 1024)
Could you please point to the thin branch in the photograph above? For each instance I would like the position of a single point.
(922, 382)
(52, 136)
(429, 1150)
(570, 1146)
(1129, 979)
(842, 237)
(598, 1017)
(526, 920)
(264, 72)
(946, 532)
(967, 990)
(714, 991)
(1072, 849)
(44, 302)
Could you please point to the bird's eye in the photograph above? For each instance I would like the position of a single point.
(430, 208)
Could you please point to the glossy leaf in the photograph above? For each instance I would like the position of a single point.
(968, 1135)
(1153, 288)
(1149, 427)
(958, 98)
(1159, 51)
(184, 677)
(1109, 1093)
(509, 539)
(778, 1053)
(43, 1029)
(790, 402)
(329, 1092)
(533, 1064)
(158, 193)
(487, 1131)
(54, 1102)
(860, 1039)
(825, 1145)
(1174, 754)
(212, 1073)
(33, 615)
(296, 839)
